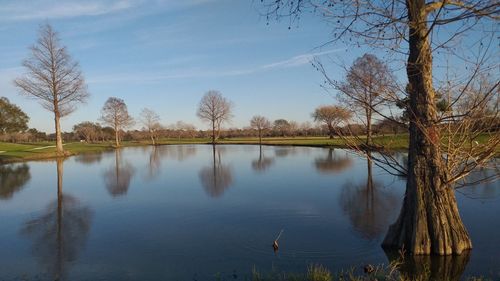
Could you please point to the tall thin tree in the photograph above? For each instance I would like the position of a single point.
(115, 114)
(261, 124)
(368, 84)
(151, 122)
(53, 78)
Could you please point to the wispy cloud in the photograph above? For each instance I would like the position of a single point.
(23, 10)
(295, 61)
(299, 60)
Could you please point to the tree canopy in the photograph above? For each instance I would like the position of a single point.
(12, 118)
(331, 116)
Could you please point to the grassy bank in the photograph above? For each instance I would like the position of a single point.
(390, 142)
(14, 152)
(10, 152)
(379, 273)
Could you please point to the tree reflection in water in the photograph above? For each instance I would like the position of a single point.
(154, 163)
(89, 158)
(175, 152)
(284, 151)
(217, 177)
(263, 163)
(117, 178)
(333, 163)
(429, 267)
(370, 209)
(180, 152)
(12, 179)
(60, 232)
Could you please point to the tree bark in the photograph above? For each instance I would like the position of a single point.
(213, 132)
(368, 127)
(429, 222)
(117, 140)
(59, 143)
(152, 137)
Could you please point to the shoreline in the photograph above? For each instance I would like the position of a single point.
(24, 152)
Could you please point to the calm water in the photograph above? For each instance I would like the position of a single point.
(187, 213)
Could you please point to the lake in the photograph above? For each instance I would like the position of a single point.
(188, 212)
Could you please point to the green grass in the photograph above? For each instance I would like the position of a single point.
(10, 152)
(392, 142)
(46, 150)
(390, 272)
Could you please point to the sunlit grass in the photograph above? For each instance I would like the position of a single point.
(10, 152)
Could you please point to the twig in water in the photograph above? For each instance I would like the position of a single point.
(275, 244)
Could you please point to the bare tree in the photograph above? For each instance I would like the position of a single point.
(281, 126)
(88, 130)
(115, 114)
(368, 84)
(429, 222)
(306, 128)
(151, 121)
(331, 116)
(216, 110)
(53, 78)
(293, 128)
(261, 124)
(184, 129)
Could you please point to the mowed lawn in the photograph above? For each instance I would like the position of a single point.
(393, 142)
(12, 152)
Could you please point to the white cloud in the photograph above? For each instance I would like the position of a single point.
(299, 60)
(295, 61)
(23, 10)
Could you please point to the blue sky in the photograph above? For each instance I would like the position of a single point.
(165, 54)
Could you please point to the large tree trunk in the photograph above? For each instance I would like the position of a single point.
(429, 222)
(59, 142)
(368, 127)
(213, 133)
(151, 134)
(117, 138)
